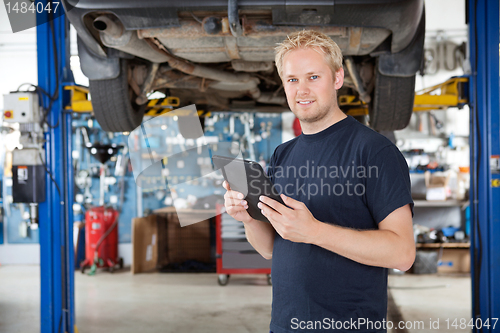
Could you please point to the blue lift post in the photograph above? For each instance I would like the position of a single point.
(55, 214)
(485, 150)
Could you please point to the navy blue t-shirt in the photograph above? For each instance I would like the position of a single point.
(351, 176)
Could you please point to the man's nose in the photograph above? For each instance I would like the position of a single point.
(302, 89)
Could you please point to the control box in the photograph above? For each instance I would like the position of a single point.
(28, 176)
(21, 107)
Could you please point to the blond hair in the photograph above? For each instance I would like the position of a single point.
(309, 39)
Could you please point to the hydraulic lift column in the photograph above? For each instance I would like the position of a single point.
(485, 155)
(55, 214)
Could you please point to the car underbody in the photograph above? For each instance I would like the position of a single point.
(222, 57)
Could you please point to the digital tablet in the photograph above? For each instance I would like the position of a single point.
(249, 178)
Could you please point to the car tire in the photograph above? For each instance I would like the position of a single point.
(113, 102)
(392, 105)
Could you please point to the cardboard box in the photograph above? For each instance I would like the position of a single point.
(454, 261)
(144, 244)
(159, 240)
(191, 242)
(437, 186)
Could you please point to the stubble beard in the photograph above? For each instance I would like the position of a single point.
(322, 112)
(319, 115)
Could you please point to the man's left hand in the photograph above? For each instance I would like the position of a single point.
(295, 224)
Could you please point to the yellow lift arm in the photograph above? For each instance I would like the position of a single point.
(451, 93)
(79, 102)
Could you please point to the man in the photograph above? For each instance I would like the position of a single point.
(348, 213)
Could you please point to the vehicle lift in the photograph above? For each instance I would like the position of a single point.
(56, 218)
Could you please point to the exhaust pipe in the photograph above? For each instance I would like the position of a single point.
(356, 79)
(109, 26)
(113, 35)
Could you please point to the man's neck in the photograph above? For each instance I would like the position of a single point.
(322, 124)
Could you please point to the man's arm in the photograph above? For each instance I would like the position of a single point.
(259, 234)
(391, 246)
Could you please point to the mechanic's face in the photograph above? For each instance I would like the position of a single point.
(310, 85)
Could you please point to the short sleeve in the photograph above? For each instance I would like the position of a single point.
(388, 184)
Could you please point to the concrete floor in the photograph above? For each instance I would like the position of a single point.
(426, 298)
(194, 303)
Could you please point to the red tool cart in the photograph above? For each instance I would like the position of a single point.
(234, 254)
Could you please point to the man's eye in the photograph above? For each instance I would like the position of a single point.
(314, 77)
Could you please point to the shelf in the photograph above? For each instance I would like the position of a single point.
(443, 245)
(440, 203)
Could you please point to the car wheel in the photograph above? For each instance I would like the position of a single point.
(113, 102)
(392, 105)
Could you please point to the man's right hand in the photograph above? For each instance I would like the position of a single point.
(235, 204)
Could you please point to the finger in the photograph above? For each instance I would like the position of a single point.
(226, 185)
(230, 199)
(291, 202)
(232, 202)
(273, 204)
(234, 195)
(274, 223)
(237, 203)
(268, 212)
(232, 210)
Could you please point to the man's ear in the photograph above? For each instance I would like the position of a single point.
(339, 78)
